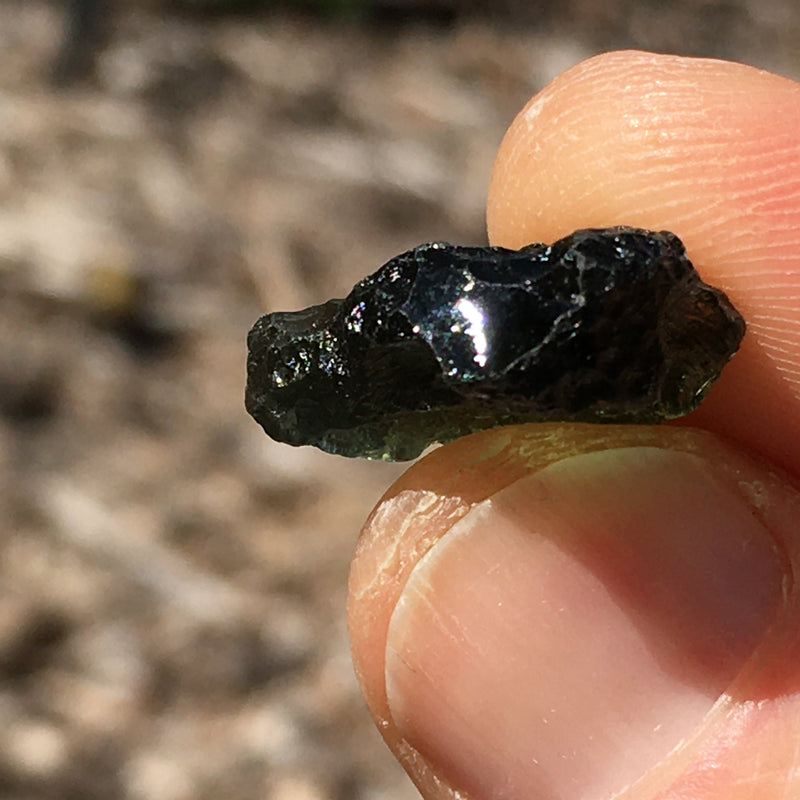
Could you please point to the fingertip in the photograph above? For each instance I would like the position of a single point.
(462, 589)
(652, 140)
(704, 148)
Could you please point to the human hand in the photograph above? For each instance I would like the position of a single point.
(567, 611)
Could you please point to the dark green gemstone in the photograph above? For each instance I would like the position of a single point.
(607, 325)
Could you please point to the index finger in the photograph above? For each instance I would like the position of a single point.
(707, 149)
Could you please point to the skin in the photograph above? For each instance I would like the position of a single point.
(566, 611)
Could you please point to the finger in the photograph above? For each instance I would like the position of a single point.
(707, 149)
(542, 612)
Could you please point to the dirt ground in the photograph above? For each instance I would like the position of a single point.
(172, 583)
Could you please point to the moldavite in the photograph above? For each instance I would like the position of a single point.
(606, 325)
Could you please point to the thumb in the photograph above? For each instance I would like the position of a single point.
(564, 611)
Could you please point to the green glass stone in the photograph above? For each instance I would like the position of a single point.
(605, 325)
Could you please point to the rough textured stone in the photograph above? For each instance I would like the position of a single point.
(608, 325)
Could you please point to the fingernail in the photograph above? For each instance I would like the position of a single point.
(572, 630)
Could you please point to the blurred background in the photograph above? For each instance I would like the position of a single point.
(172, 583)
